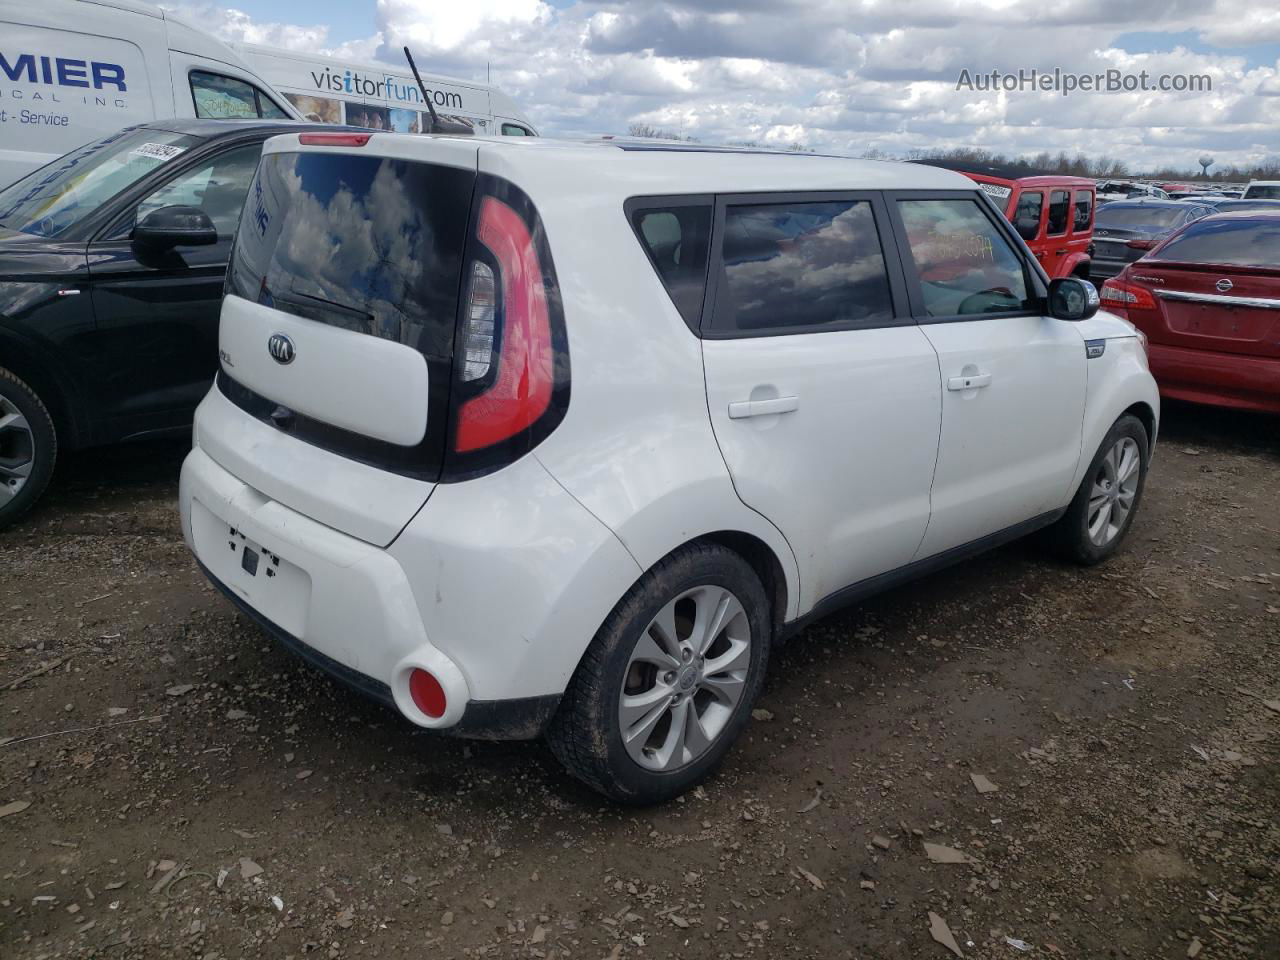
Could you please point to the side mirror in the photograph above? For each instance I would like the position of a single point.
(1071, 298)
(175, 226)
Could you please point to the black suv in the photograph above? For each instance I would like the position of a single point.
(111, 267)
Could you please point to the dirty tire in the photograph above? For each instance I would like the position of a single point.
(1069, 536)
(586, 733)
(42, 437)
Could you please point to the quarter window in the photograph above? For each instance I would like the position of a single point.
(1026, 216)
(676, 239)
(790, 266)
(1059, 211)
(515, 130)
(1084, 211)
(965, 265)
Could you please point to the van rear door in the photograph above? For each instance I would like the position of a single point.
(338, 327)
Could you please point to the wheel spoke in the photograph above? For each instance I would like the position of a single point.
(1099, 524)
(736, 658)
(1128, 462)
(16, 471)
(13, 420)
(671, 753)
(636, 708)
(724, 609)
(664, 624)
(648, 651)
(725, 687)
(696, 739)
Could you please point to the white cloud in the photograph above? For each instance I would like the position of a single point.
(840, 75)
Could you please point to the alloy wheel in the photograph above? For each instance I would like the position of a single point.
(1115, 486)
(686, 675)
(17, 451)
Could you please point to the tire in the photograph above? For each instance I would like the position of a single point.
(28, 447)
(633, 650)
(1072, 536)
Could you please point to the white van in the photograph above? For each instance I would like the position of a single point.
(72, 71)
(324, 90)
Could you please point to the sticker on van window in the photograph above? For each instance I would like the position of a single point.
(157, 151)
(996, 191)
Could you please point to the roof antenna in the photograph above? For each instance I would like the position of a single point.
(437, 125)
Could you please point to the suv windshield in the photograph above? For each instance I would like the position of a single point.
(1136, 218)
(51, 200)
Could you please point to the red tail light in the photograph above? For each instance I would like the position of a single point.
(333, 139)
(1141, 244)
(512, 312)
(1120, 297)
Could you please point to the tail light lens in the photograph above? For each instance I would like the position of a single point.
(512, 354)
(1140, 244)
(1120, 297)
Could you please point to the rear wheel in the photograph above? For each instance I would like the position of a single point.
(1103, 508)
(667, 684)
(28, 447)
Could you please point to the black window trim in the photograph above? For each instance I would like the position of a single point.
(1036, 279)
(1066, 221)
(258, 95)
(888, 249)
(633, 205)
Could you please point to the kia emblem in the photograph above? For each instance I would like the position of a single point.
(1224, 285)
(281, 348)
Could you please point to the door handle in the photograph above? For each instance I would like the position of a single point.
(740, 409)
(974, 381)
(1061, 252)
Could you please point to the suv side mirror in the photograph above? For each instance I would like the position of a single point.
(1071, 298)
(175, 226)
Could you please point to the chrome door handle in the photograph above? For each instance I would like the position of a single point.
(974, 382)
(740, 409)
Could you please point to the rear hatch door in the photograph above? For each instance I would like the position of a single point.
(338, 327)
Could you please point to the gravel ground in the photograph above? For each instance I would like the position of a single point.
(1092, 754)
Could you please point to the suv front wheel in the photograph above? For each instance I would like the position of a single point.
(1104, 506)
(668, 682)
(28, 447)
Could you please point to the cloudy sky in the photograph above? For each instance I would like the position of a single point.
(849, 76)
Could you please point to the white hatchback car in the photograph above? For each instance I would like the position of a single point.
(530, 437)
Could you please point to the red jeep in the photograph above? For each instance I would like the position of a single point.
(1052, 212)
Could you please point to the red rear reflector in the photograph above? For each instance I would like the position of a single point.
(334, 139)
(521, 393)
(428, 695)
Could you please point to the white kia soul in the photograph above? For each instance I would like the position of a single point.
(528, 437)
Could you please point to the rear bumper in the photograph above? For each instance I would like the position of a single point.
(522, 718)
(1219, 379)
(346, 601)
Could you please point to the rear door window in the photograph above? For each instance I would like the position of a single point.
(1026, 216)
(1083, 211)
(963, 261)
(676, 235)
(1059, 212)
(802, 266)
(370, 244)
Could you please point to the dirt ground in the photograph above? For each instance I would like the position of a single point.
(192, 790)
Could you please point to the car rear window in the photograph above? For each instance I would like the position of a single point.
(808, 265)
(1269, 192)
(1137, 218)
(1246, 243)
(370, 244)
